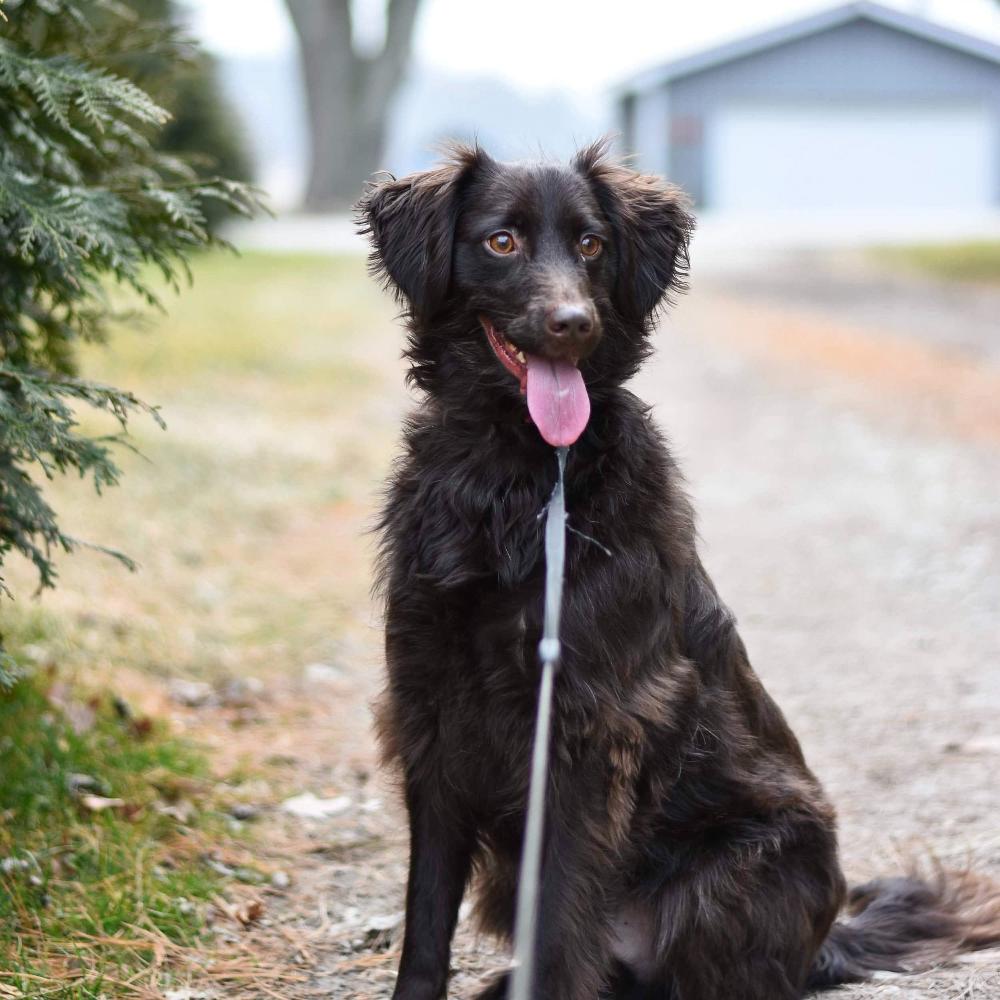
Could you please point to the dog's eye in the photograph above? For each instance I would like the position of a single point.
(590, 246)
(501, 243)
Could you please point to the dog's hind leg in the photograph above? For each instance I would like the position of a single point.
(744, 919)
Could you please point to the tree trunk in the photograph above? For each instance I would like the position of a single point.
(348, 95)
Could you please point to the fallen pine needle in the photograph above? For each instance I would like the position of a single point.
(367, 961)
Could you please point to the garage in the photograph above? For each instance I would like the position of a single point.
(857, 107)
(829, 158)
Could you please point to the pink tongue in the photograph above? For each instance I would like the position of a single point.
(557, 400)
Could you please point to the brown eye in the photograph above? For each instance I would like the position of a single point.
(590, 246)
(502, 243)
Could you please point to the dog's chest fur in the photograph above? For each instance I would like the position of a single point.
(464, 562)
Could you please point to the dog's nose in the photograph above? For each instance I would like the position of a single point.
(569, 322)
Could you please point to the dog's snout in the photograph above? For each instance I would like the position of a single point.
(570, 322)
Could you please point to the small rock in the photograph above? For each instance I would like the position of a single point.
(322, 673)
(240, 692)
(385, 922)
(243, 811)
(308, 806)
(249, 876)
(382, 931)
(193, 694)
(77, 783)
(10, 865)
(182, 810)
(281, 880)
(99, 803)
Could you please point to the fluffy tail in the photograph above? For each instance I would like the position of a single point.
(907, 924)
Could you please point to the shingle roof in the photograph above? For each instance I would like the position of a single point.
(803, 27)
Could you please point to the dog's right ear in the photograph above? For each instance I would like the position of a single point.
(411, 225)
(652, 224)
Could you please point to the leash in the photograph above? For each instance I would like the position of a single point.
(526, 915)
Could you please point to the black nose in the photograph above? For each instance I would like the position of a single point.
(569, 322)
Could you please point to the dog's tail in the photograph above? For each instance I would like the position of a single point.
(907, 924)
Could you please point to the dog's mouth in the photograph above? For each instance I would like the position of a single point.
(557, 397)
(511, 357)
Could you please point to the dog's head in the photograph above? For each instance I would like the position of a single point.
(528, 279)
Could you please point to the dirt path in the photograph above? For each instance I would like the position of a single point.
(850, 517)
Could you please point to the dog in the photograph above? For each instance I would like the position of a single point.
(690, 854)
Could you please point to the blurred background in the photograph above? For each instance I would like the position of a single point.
(677, 84)
(830, 385)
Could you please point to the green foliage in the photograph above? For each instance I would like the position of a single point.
(203, 128)
(85, 196)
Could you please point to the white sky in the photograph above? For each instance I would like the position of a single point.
(576, 45)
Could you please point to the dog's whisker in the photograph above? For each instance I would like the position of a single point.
(588, 538)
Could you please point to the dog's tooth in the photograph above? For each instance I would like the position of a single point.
(520, 357)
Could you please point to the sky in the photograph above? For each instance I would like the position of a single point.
(540, 45)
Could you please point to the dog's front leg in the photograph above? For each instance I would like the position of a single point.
(571, 958)
(440, 859)
(572, 955)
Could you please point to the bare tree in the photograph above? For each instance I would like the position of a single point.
(348, 93)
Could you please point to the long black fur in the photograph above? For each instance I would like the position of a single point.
(690, 853)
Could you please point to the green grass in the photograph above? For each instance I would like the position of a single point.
(85, 895)
(971, 261)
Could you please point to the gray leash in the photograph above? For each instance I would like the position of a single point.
(526, 917)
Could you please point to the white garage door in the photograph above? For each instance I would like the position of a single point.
(829, 157)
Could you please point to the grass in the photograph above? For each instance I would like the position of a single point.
(247, 519)
(971, 261)
(89, 897)
(267, 373)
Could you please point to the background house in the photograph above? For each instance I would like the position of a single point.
(858, 107)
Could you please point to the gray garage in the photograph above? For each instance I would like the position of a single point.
(857, 107)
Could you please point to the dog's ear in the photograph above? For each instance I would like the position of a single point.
(411, 225)
(652, 226)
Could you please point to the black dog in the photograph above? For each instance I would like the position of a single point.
(690, 853)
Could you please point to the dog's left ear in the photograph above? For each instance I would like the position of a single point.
(411, 225)
(652, 226)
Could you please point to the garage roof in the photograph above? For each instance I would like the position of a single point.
(803, 27)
